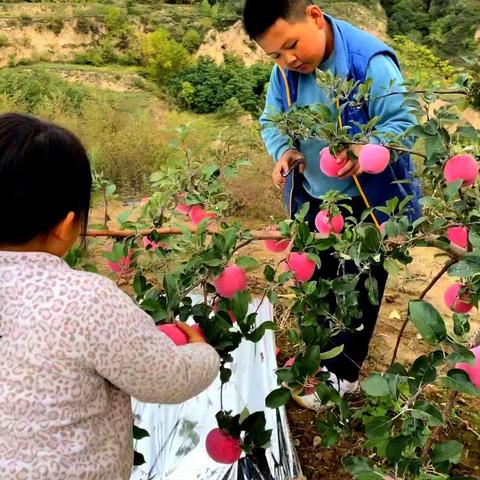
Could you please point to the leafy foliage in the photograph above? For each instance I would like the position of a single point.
(206, 87)
(162, 57)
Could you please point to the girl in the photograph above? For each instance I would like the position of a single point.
(73, 347)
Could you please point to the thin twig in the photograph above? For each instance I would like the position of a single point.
(391, 147)
(409, 92)
(435, 279)
(452, 398)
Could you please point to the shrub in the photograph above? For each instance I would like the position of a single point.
(85, 25)
(25, 19)
(231, 108)
(4, 42)
(215, 84)
(99, 55)
(161, 56)
(55, 24)
(32, 87)
(191, 40)
(420, 62)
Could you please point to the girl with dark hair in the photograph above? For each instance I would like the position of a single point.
(73, 347)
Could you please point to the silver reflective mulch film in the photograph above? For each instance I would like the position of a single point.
(175, 449)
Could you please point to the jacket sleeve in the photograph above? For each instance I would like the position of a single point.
(127, 349)
(386, 78)
(275, 143)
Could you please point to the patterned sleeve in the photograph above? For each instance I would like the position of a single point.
(127, 349)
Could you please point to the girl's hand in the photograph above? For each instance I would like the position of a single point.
(350, 167)
(192, 335)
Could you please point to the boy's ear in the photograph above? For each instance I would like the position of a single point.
(315, 13)
(63, 229)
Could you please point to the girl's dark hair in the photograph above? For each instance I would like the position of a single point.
(260, 15)
(44, 174)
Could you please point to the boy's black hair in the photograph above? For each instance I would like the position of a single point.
(260, 15)
(44, 174)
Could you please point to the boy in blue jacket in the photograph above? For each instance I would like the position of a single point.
(300, 38)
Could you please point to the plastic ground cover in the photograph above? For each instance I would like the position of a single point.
(176, 450)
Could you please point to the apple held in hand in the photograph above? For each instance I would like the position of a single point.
(328, 163)
(174, 333)
(374, 158)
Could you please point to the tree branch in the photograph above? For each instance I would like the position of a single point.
(438, 430)
(435, 279)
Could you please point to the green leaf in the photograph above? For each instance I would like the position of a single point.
(285, 277)
(468, 131)
(334, 352)
(467, 267)
(360, 468)
(371, 285)
(391, 266)
(458, 380)
(377, 427)
(311, 359)
(139, 433)
(123, 216)
(376, 385)
(272, 296)
(110, 190)
(302, 212)
(269, 273)
(239, 304)
(247, 263)
(150, 305)
(396, 446)
(428, 321)
(315, 259)
(171, 290)
(278, 398)
(461, 354)
(452, 189)
(461, 325)
(450, 451)
(429, 412)
(138, 459)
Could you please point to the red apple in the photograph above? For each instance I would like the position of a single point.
(461, 167)
(328, 163)
(325, 224)
(302, 267)
(458, 303)
(373, 158)
(174, 333)
(472, 370)
(458, 236)
(221, 447)
(233, 279)
(197, 214)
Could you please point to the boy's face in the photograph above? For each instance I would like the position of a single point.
(299, 45)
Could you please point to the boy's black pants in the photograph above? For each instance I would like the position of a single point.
(347, 364)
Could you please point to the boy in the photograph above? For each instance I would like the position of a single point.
(300, 38)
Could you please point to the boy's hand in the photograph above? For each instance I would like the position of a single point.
(351, 167)
(284, 164)
(192, 334)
